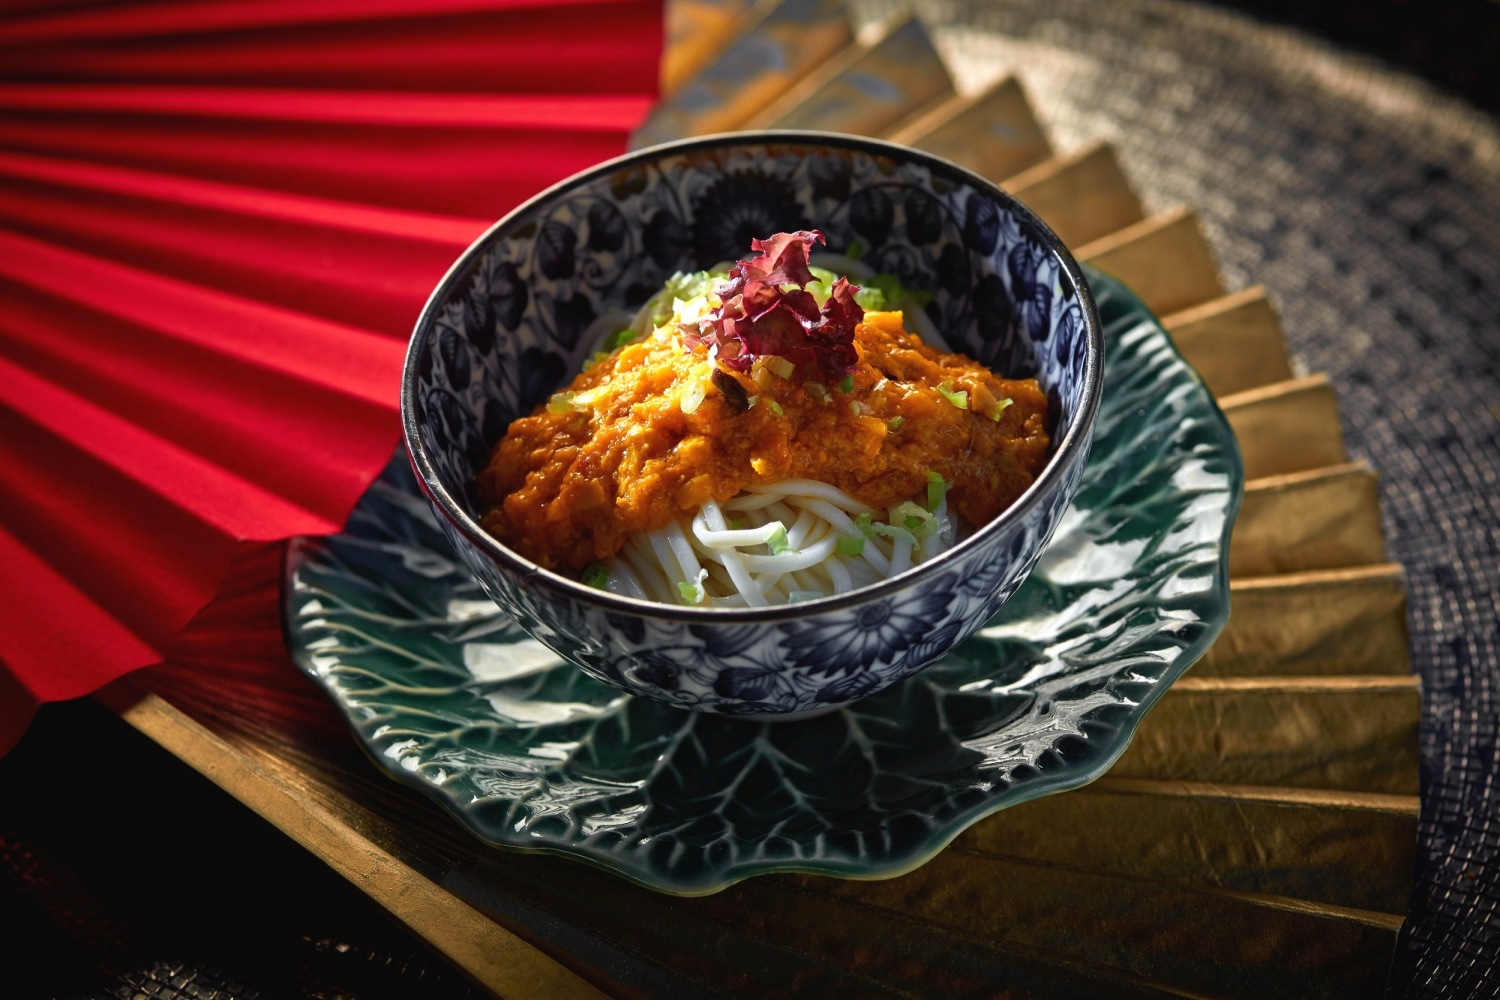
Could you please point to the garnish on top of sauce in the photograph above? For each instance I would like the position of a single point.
(663, 421)
(767, 312)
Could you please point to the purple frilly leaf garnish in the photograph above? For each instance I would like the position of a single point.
(768, 311)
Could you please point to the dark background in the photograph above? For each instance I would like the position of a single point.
(1454, 44)
(124, 874)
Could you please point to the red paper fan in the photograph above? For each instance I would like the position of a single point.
(218, 221)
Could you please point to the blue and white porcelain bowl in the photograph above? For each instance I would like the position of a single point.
(504, 330)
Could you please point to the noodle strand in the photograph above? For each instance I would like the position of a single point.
(804, 520)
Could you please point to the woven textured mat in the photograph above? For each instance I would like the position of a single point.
(1365, 205)
(1369, 204)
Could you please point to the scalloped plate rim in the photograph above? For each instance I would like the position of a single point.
(942, 835)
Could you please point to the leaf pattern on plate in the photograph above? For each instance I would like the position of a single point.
(453, 698)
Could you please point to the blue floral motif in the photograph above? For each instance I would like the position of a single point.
(751, 708)
(955, 275)
(1032, 297)
(924, 217)
(689, 804)
(850, 687)
(666, 239)
(741, 206)
(538, 372)
(724, 642)
(829, 179)
(555, 247)
(1066, 347)
(629, 628)
(872, 215)
(990, 575)
(506, 331)
(570, 316)
(446, 409)
(902, 261)
(876, 633)
(479, 318)
(981, 225)
(992, 301)
(629, 183)
(607, 227)
(450, 348)
(653, 674)
(747, 684)
(507, 295)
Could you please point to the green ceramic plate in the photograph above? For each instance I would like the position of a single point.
(451, 697)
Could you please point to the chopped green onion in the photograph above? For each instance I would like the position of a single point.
(751, 401)
(858, 408)
(779, 366)
(958, 397)
(619, 339)
(821, 287)
(680, 287)
(692, 591)
(937, 489)
(567, 402)
(897, 294)
(692, 396)
(895, 423)
(846, 384)
(865, 524)
(894, 532)
(850, 545)
(774, 407)
(817, 391)
(1000, 408)
(690, 312)
(595, 575)
(772, 535)
(912, 517)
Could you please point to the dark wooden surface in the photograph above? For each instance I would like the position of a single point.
(129, 872)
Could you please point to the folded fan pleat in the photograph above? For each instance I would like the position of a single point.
(309, 442)
(218, 222)
(451, 154)
(85, 508)
(46, 617)
(538, 47)
(292, 248)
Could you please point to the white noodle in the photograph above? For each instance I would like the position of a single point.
(805, 519)
(804, 488)
(622, 580)
(741, 568)
(744, 584)
(839, 576)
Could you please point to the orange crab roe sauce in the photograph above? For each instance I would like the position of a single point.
(617, 454)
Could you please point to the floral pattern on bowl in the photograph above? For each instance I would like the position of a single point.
(451, 697)
(507, 325)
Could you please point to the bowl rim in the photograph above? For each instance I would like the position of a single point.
(1071, 449)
